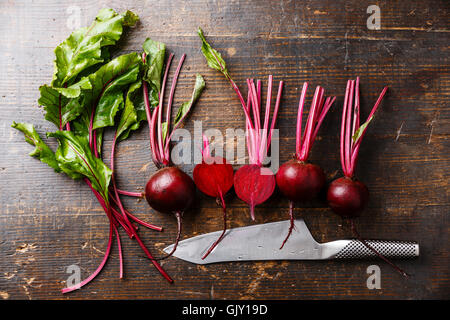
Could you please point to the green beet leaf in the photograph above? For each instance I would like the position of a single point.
(186, 106)
(108, 84)
(83, 48)
(213, 57)
(154, 63)
(42, 151)
(62, 104)
(133, 113)
(76, 159)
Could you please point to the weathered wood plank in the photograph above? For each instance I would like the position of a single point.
(48, 221)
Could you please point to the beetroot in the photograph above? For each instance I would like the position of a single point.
(169, 190)
(297, 179)
(347, 196)
(214, 177)
(254, 183)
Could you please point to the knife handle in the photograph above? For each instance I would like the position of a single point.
(355, 249)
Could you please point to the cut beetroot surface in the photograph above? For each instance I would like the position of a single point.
(254, 185)
(214, 179)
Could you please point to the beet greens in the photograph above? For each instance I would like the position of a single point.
(85, 96)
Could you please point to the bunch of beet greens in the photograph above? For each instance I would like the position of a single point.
(89, 92)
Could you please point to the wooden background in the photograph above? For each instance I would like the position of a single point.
(48, 221)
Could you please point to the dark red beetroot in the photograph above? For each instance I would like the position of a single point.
(297, 179)
(214, 177)
(347, 196)
(169, 190)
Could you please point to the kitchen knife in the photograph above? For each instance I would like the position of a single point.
(262, 242)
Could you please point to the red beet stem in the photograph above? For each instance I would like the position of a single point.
(164, 160)
(356, 111)
(99, 268)
(224, 208)
(169, 103)
(275, 113)
(402, 272)
(155, 154)
(306, 145)
(348, 138)
(319, 109)
(241, 99)
(342, 140)
(263, 147)
(349, 148)
(119, 247)
(291, 226)
(354, 155)
(143, 223)
(301, 105)
(328, 103)
(130, 193)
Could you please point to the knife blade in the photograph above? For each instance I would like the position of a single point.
(262, 242)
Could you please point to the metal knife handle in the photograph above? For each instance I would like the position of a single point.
(355, 249)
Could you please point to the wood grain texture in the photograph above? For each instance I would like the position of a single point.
(48, 221)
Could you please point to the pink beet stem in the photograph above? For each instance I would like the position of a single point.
(354, 156)
(141, 222)
(160, 108)
(249, 133)
(263, 147)
(259, 90)
(241, 99)
(122, 222)
(145, 224)
(153, 260)
(348, 138)
(119, 247)
(301, 104)
(328, 103)
(149, 121)
(172, 91)
(154, 130)
(99, 268)
(256, 106)
(206, 153)
(309, 124)
(255, 131)
(356, 113)
(275, 113)
(257, 121)
(130, 193)
(342, 140)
